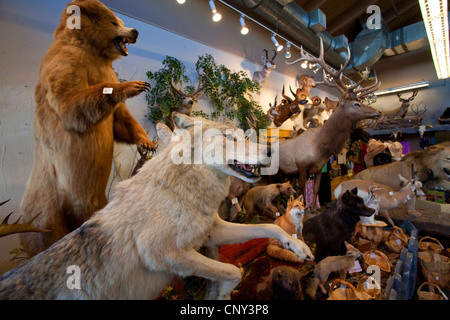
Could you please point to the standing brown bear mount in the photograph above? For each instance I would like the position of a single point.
(307, 153)
(264, 199)
(80, 112)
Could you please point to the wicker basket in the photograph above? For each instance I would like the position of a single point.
(431, 294)
(435, 267)
(377, 258)
(433, 245)
(346, 291)
(363, 286)
(396, 240)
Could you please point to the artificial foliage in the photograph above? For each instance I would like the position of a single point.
(230, 93)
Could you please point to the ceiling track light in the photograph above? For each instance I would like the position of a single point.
(216, 15)
(244, 29)
(288, 50)
(181, 1)
(275, 42)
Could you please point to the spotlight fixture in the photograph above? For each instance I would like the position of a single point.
(244, 29)
(275, 42)
(181, 1)
(216, 15)
(304, 64)
(288, 50)
(435, 18)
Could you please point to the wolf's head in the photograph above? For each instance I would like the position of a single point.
(222, 147)
(355, 204)
(95, 26)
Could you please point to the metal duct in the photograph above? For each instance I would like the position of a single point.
(294, 22)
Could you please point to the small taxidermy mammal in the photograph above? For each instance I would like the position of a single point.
(264, 199)
(286, 283)
(339, 264)
(292, 223)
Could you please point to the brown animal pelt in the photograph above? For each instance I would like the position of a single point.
(76, 123)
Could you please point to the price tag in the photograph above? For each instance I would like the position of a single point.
(234, 201)
(107, 90)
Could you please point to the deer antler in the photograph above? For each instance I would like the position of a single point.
(7, 229)
(350, 92)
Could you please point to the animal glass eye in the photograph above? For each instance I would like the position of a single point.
(357, 105)
(114, 23)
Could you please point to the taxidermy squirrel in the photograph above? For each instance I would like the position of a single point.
(339, 264)
(292, 223)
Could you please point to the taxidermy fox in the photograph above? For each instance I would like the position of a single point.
(292, 223)
(331, 264)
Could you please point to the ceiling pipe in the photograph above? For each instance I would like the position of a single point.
(294, 22)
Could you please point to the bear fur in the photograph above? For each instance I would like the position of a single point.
(264, 199)
(76, 124)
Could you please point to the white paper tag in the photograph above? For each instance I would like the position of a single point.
(356, 267)
(277, 214)
(294, 235)
(399, 242)
(391, 193)
(372, 255)
(234, 201)
(107, 90)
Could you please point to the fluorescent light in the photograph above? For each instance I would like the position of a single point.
(216, 15)
(402, 88)
(244, 29)
(435, 18)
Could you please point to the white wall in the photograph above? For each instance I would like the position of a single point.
(26, 27)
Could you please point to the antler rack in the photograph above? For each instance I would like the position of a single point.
(351, 92)
(16, 227)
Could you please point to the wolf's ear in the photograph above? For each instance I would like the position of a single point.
(182, 121)
(355, 190)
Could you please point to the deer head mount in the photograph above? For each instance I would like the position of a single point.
(269, 65)
(348, 93)
(187, 100)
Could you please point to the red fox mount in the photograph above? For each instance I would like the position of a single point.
(292, 223)
(331, 264)
(80, 112)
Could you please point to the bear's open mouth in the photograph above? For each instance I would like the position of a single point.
(250, 171)
(121, 42)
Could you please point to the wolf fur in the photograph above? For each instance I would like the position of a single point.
(264, 199)
(331, 228)
(292, 223)
(75, 124)
(328, 265)
(152, 227)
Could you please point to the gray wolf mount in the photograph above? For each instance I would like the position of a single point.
(152, 228)
(76, 124)
(331, 228)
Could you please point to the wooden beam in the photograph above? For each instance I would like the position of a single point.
(312, 5)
